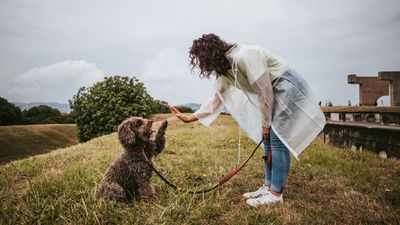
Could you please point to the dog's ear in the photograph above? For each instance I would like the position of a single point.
(126, 132)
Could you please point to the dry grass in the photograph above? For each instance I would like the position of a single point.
(328, 186)
(20, 141)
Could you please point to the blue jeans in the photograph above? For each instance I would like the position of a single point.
(275, 177)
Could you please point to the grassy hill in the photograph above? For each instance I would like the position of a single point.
(20, 141)
(329, 185)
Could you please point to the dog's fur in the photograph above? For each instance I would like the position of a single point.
(128, 177)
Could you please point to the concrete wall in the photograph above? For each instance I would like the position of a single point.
(363, 128)
(383, 118)
(378, 139)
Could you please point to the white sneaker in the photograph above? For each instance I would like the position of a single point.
(264, 200)
(264, 190)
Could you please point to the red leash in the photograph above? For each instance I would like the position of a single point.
(231, 174)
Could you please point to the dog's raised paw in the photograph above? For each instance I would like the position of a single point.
(164, 124)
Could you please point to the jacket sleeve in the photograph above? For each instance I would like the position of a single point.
(209, 111)
(254, 62)
(265, 97)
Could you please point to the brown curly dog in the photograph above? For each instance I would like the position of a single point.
(128, 177)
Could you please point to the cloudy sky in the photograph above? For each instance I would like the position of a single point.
(50, 48)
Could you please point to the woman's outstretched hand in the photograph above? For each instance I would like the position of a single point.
(181, 116)
(176, 113)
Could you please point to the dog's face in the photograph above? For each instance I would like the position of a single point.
(134, 129)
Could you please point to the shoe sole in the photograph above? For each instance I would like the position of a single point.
(256, 195)
(264, 204)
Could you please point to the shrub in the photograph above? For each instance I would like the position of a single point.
(41, 114)
(184, 109)
(67, 118)
(98, 110)
(160, 107)
(9, 113)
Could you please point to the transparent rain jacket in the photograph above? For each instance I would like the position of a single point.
(261, 90)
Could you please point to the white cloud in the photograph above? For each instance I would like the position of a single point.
(57, 82)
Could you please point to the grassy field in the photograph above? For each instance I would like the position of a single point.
(328, 186)
(20, 141)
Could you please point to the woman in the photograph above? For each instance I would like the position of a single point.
(267, 98)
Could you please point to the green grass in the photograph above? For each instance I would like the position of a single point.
(20, 141)
(329, 185)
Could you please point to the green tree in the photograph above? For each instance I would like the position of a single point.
(184, 109)
(100, 108)
(41, 114)
(160, 107)
(9, 113)
(67, 118)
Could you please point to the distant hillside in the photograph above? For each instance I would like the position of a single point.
(64, 108)
(21, 141)
(196, 106)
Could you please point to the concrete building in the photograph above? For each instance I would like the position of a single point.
(372, 88)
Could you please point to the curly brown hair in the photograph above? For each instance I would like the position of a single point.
(208, 54)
